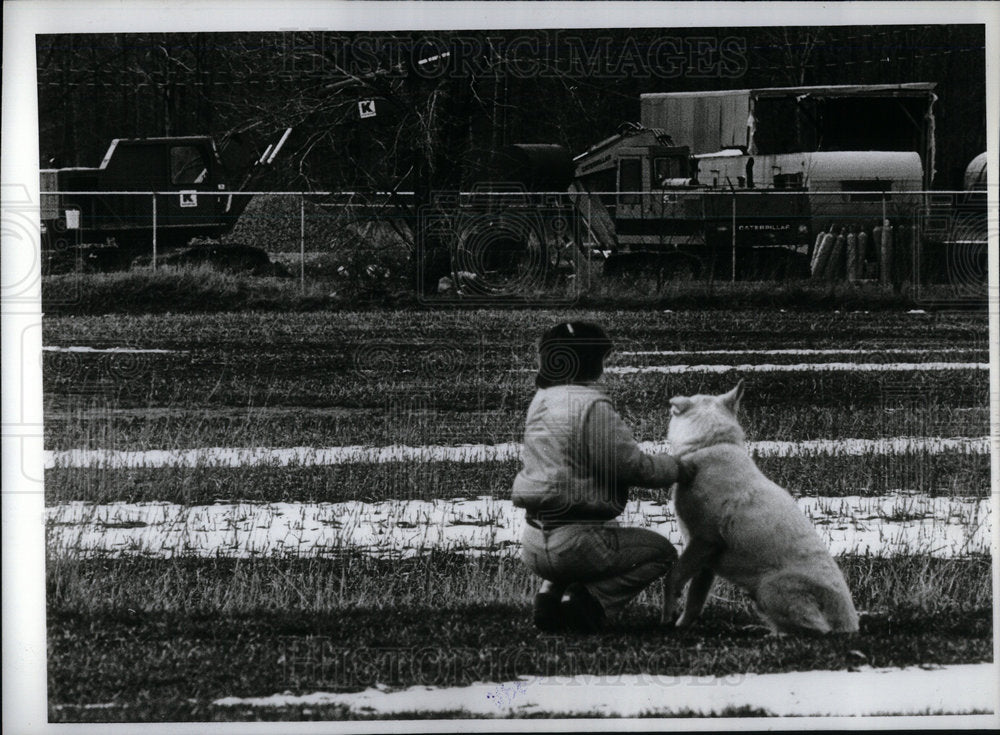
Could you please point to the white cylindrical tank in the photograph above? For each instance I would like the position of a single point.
(975, 174)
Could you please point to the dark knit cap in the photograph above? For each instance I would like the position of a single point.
(572, 352)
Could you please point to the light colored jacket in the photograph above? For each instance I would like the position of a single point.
(580, 458)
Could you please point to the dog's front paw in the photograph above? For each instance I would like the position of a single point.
(684, 621)
(669, 614)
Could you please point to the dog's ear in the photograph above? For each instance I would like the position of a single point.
(680, 404)
(731, 400)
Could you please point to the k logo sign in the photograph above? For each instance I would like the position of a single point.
(189, 199)
(366, 108)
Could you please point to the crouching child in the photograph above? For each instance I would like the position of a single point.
(579, 460)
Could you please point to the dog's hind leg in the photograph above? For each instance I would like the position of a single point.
(792, 603)
(697, 595)
(838, 607)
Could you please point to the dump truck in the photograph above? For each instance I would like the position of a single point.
(641, 198)
(109, 211)
(759, 171)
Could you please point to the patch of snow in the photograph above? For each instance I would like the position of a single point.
(854, 447)
(905, 523)
(113, 350)
(322, 456)
(800, 367)
(912, 690)
(95, 705)
(304, 456)
(805, 351)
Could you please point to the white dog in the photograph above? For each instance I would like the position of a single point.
(743, 527)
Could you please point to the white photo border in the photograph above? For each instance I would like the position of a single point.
(24, 642)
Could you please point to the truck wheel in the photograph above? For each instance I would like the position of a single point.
(648, 272)
(507, 259)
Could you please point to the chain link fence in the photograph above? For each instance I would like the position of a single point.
(507, 242)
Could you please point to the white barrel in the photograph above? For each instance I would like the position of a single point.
(853, 262)
(815, 253)
(837, 266)
(823, 255)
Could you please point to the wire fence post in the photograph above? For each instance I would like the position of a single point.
(302, 243)
(733, 224)
(589, 255)
(154, 231)
(884, 254)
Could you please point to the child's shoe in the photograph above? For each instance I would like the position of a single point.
(547, 613)
(582, 611)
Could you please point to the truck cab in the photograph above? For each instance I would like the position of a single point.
(658, 197)
(168, 188)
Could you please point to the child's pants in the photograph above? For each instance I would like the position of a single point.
(613, 562)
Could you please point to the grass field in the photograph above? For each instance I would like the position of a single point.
(155, 613)
(200, 289)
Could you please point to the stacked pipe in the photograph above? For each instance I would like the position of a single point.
(821, 253)
(854, 257)
(884, 237)
(849, 252)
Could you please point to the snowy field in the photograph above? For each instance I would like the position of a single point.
(195, 610)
